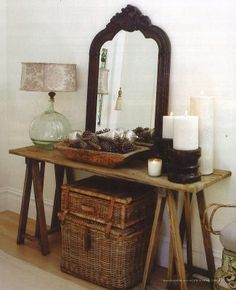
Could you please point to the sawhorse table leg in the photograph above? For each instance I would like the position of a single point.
(162, 197)
(59, 177)
(176, 240)
(160, 205)
(25, 202)
(38, 192)
(185, 228)
(34, 174)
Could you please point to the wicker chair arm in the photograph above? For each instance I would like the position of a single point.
(208, 223)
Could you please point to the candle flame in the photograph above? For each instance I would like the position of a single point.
(186, 113)
(154, 160)
(171, 114)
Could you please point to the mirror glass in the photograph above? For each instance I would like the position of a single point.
(138, 62)
(132, 63)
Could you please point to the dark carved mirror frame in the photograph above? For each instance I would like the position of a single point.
(130, 19)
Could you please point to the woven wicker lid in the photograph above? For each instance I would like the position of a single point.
(107, 188)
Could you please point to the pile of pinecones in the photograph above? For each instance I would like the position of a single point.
(93, 141)
(145, 135)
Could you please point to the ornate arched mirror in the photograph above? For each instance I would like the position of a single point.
(133, 57)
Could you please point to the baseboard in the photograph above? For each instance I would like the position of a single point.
(3, 199)
(13, 202)
(199, 259)
(10, 199)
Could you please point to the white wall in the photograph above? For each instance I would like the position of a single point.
(3, 90)
(203, 38)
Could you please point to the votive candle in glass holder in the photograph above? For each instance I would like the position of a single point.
(154, 166)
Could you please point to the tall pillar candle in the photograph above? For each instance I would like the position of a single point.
(203, 107)
(185, 136)
(167, 128)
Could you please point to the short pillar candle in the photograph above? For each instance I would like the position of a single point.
(154, 166)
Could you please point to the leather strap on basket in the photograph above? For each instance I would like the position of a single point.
(109, 217)
(62, 215)
(66, 197)
(86, 239)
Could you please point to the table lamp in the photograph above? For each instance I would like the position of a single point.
(51, 126)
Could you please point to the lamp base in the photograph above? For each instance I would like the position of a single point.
(49, 128)
(47, 145)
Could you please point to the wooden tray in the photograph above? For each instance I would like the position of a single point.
(101, 158)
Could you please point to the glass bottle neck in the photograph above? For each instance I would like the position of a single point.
(50, 107)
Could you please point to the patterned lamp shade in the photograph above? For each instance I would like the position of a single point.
(48, 77)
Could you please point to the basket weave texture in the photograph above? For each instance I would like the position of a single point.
(115, 262)
(107, 200)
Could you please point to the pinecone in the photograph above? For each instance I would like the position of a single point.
(108, 146)
(138, 130)
(118, 142)
(144, 134)
(90, 137)
(93, 146)
(127, 146)
(78, 144)
(86, 134)
(103, 131)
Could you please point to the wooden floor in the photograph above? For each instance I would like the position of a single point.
(30, 253)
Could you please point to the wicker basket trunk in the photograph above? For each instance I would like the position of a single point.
(109, 201)
(115, 261)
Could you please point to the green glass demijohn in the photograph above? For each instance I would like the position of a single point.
(50, 127)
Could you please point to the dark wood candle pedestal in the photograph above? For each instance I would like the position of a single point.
(183, 165)
(165, 146)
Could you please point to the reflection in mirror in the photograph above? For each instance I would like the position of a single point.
(133, 89)
(131, 60)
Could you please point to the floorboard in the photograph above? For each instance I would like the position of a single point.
(30, 252)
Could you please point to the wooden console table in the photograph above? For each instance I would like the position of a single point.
(167, 193)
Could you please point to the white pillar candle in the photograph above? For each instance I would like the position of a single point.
(167, 128)
(154, 166)
(203, 107)
(185, 136)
